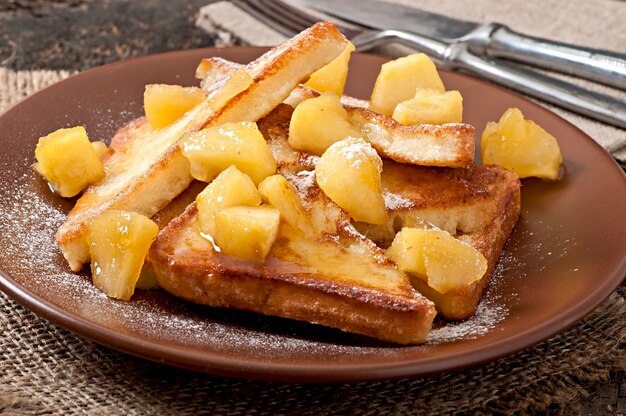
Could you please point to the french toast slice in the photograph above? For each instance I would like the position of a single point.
(144, 175)
(448, 145)
(329, 275)
(453, 200)
(478, 204)
(487, 225)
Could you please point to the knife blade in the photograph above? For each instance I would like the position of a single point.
(380, 15)
(486, 39)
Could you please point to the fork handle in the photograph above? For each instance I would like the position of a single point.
(564, 94)
(598, 65)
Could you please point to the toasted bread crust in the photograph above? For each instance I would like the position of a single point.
(148, 186)
(194, 271)
(450, 145)
(209, 71)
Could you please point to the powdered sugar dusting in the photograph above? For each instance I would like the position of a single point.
(488, 314)
(354, 150)
(395, 201)
(303, 181)
(27, 225)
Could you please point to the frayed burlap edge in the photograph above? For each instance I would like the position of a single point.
(48, 370)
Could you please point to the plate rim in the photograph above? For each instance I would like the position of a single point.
(215, 363)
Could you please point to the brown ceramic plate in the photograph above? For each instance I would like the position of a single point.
(567, 253)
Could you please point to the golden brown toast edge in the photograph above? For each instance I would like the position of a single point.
(193, 270)
(275, 74)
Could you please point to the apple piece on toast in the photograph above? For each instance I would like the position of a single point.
(144, 175)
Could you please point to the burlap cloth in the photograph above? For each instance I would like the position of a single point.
(45, 369)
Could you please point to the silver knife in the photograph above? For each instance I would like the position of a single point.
(491, 39)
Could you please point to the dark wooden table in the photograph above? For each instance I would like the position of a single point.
(80, 34)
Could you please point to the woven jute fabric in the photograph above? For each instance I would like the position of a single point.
(45, 369)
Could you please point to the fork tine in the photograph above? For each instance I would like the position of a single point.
(350, 30)
(260, 14)
(285, 18)
(290, 15)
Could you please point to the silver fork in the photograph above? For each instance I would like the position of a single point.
(290, 20)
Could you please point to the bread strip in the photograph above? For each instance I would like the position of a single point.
(149, 173)
(448, 145)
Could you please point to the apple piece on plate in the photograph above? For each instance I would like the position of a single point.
(521, 146)
(68, 161)
(118, 244)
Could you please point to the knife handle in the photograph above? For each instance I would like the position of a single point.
(598, 65)
(564, 94)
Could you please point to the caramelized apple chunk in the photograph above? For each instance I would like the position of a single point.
(521, 146)
(164, 104)
(230, 188)
(318, 122)
(240, 143)
(430, 107)
(349, 173)
(247, 233)
(398, 81)
(332, 77)
(280, 194)
(437, 257)
(101, 149)
(118, 244)
(68, 161)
